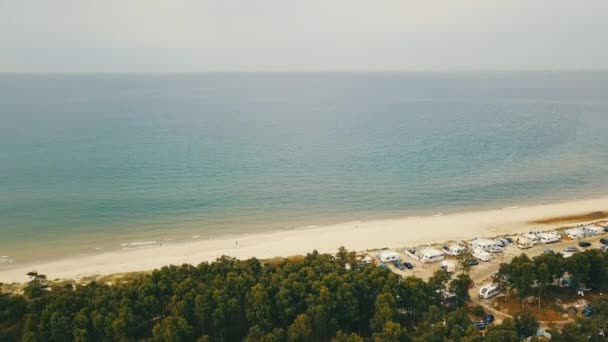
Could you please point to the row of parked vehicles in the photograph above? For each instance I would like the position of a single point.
(394, 258)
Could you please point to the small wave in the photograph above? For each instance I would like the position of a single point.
(138, 247)
(509, 208)
(139, 243)
(98, 248)
(5, 259)
(196, 236)
(437, 215)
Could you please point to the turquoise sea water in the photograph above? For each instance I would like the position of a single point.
(89, 162)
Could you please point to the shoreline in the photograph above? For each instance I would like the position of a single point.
(359, 236)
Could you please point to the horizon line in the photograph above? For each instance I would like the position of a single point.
(429, 71)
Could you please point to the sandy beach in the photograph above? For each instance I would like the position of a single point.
(392, 233)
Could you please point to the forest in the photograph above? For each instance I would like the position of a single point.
(316, 297)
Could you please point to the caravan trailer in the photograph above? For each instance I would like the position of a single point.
(430, 255)
(484, 244)
(488, 291)
(448, 266)
(531, 236)
(524, 243)
(546, 238)
(592, 230)
(454, 249)
(389, 256)
(481, 255)
(575, 233)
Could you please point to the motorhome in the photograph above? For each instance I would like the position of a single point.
(531, 236)
(524, 243)
(366, 260)
(488, 291)
(484, 244)
(430, 255)
(448, 266)
(575, 233)
(454, 249)
(545, 238)
(389, 256)
(593, 230)
(481, 255)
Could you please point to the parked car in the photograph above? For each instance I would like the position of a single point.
(408, 265)
(548, 251)
(488, 291)
(570, 249)
(495, 249)
(384, 267)
(471, 262)
(501, 242)
(479, 325)
(604, 241)
(584, 244)
(488, 319)
(568, 282)
(587, 311)
(399, 265)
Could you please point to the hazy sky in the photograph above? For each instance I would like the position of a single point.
(280, 35)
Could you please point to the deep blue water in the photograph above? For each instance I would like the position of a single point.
(93, 160)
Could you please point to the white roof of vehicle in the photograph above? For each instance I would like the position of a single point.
(483, 242)
(455, 246)
(430, 252)
(574, 231)
(488, 287)
(388, 254)
(547, 235)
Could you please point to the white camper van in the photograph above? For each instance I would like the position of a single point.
(531, 236)
(481, 255)
(448, 266)
(389, 256)
(484, 244)
(366, 260)
(430, 255)
(575, 233)
(454, 249)
(546, 238)
(593, 230)
(488, 291)
(524, 243)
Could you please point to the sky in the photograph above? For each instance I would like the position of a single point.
(304, 35)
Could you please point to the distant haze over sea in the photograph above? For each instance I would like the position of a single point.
(97, 162)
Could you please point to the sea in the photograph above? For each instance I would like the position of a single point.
(91, 163)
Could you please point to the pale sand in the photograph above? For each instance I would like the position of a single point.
(393, 233)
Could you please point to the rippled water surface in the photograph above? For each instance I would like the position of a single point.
(96, 162)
